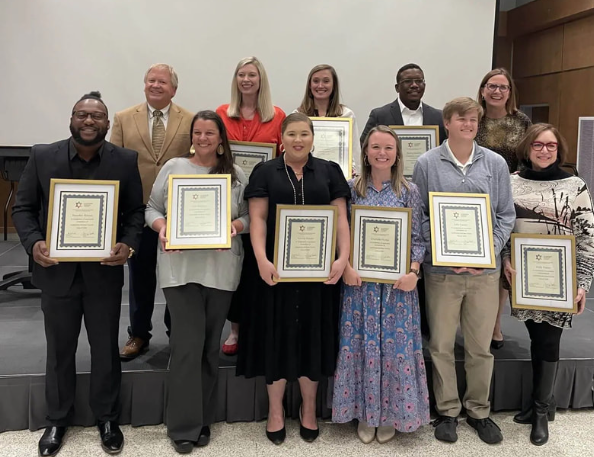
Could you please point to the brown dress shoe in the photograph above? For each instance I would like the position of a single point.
(133, 348)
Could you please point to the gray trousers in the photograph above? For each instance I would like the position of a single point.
(198, 315)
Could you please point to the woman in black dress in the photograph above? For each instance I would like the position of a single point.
(289, 331)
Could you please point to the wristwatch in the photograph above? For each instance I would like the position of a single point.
(132, 251)
(416, 271)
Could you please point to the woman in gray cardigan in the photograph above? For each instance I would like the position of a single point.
(198, 286)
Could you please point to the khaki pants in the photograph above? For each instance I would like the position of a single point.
(472, 302)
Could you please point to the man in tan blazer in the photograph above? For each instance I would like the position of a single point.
(158, 130)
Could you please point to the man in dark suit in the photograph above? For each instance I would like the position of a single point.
(408, 108)
(71, 291)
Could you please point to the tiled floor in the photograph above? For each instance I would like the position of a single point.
(571, 435)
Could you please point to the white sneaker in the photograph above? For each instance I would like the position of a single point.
(365, 432)
(385, 434)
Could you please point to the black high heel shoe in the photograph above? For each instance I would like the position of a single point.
(307, 434)
(279, 436)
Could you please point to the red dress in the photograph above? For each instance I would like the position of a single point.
(254, 130)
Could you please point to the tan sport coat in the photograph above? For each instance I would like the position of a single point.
(130, 130)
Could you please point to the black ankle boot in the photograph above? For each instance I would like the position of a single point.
(543, 393)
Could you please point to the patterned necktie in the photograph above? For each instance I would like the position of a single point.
(158, 132)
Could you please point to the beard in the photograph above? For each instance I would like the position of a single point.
(99, 137)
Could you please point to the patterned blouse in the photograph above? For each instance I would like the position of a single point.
(560, 205)
(503, 135)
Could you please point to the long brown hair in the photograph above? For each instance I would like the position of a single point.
(511, 106)
(397, 174)
(224, 164)
(334, 106)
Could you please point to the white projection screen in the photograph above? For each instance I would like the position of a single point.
(54, 51)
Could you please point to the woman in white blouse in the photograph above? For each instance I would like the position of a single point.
(322, 99)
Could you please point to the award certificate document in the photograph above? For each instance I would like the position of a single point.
(247, 155)
(306, 247)
(545, 272)
(461, 230)
(414, 142)
(305, 242)
(333, 141)
(199, 212)
(82, 219)
(380, 246)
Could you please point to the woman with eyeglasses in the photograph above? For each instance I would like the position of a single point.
(501, 129)
(548, 200)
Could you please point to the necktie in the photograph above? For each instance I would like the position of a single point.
(158, 132)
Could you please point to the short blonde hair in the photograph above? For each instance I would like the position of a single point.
(533, 132)
(461, 105)
(511, 105)
(164, 66)
(264, 105)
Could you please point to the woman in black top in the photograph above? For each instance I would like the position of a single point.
(289, 331)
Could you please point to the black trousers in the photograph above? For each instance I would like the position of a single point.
(62, 318)
(545, 340)
(198, 315)
(143, 285)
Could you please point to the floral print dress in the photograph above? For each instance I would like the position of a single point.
(380, 377)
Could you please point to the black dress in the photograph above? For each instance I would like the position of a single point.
(290, 330)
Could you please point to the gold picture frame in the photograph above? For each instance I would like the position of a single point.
(396, 226)
(330, 134)
(82, 219)
(554, 277)
(464, 237)
(247, 154)
(317, 223)
(207, 200)
(415, 140)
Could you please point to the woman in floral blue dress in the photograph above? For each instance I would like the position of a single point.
(380, 377)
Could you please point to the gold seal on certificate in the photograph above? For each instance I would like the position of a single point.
(461, 230)
(380, 245)
(247, 155)
(305, 242)
(333, 141)
(199, 212)
(414, 142)
(82, 219)
(545, 272)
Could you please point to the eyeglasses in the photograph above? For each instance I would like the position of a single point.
(408, 82)
(538, 146)
(493, 87)
(83, 115)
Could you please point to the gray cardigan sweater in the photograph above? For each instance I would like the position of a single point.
(208, 267)
(436, 171)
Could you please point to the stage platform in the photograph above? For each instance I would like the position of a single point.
(144, 381)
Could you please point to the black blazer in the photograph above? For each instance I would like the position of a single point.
(390, 115)
(30, 212)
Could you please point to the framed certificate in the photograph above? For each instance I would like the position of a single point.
(461, 230)
(545, 267)
(82, 219)
(247, 155)
(380, 242)
(199, 212)
(415, 141)
(305, 242)
(333, 141)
